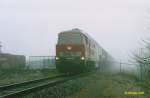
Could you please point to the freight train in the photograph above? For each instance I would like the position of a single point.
(78, 52)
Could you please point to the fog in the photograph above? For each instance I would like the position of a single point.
(30, 27)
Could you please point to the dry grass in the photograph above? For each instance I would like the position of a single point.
(109, 86)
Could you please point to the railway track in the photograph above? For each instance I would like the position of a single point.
(17, 89)
(27, 87)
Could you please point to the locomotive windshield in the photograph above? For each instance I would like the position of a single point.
(69, 38)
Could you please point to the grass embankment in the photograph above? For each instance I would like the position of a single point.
(16, 76)
(110, 86)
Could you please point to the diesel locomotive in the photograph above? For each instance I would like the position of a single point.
(78, 52)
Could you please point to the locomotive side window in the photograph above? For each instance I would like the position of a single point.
(86, 40)
(83, 39)
(94, 45)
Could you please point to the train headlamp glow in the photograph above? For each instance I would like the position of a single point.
(82, 58)
(69, 47)
(57, 58)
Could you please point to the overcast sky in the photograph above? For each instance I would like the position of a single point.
(30, 27)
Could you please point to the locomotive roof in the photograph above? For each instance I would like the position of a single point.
(76, 30)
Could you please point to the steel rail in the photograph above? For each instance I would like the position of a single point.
(5, 87)
(22, 91)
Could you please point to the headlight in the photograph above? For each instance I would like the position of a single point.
(82, 58)
(57, 58)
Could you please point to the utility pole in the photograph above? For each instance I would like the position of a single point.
(141, 66)
(0, 47)
(120, 66)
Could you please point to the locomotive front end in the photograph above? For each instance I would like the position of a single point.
(70, 53)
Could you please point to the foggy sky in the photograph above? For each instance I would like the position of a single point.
(30, 27)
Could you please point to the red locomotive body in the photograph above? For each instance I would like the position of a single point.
(77, 52)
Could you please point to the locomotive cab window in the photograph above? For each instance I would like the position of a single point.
(70, 38)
